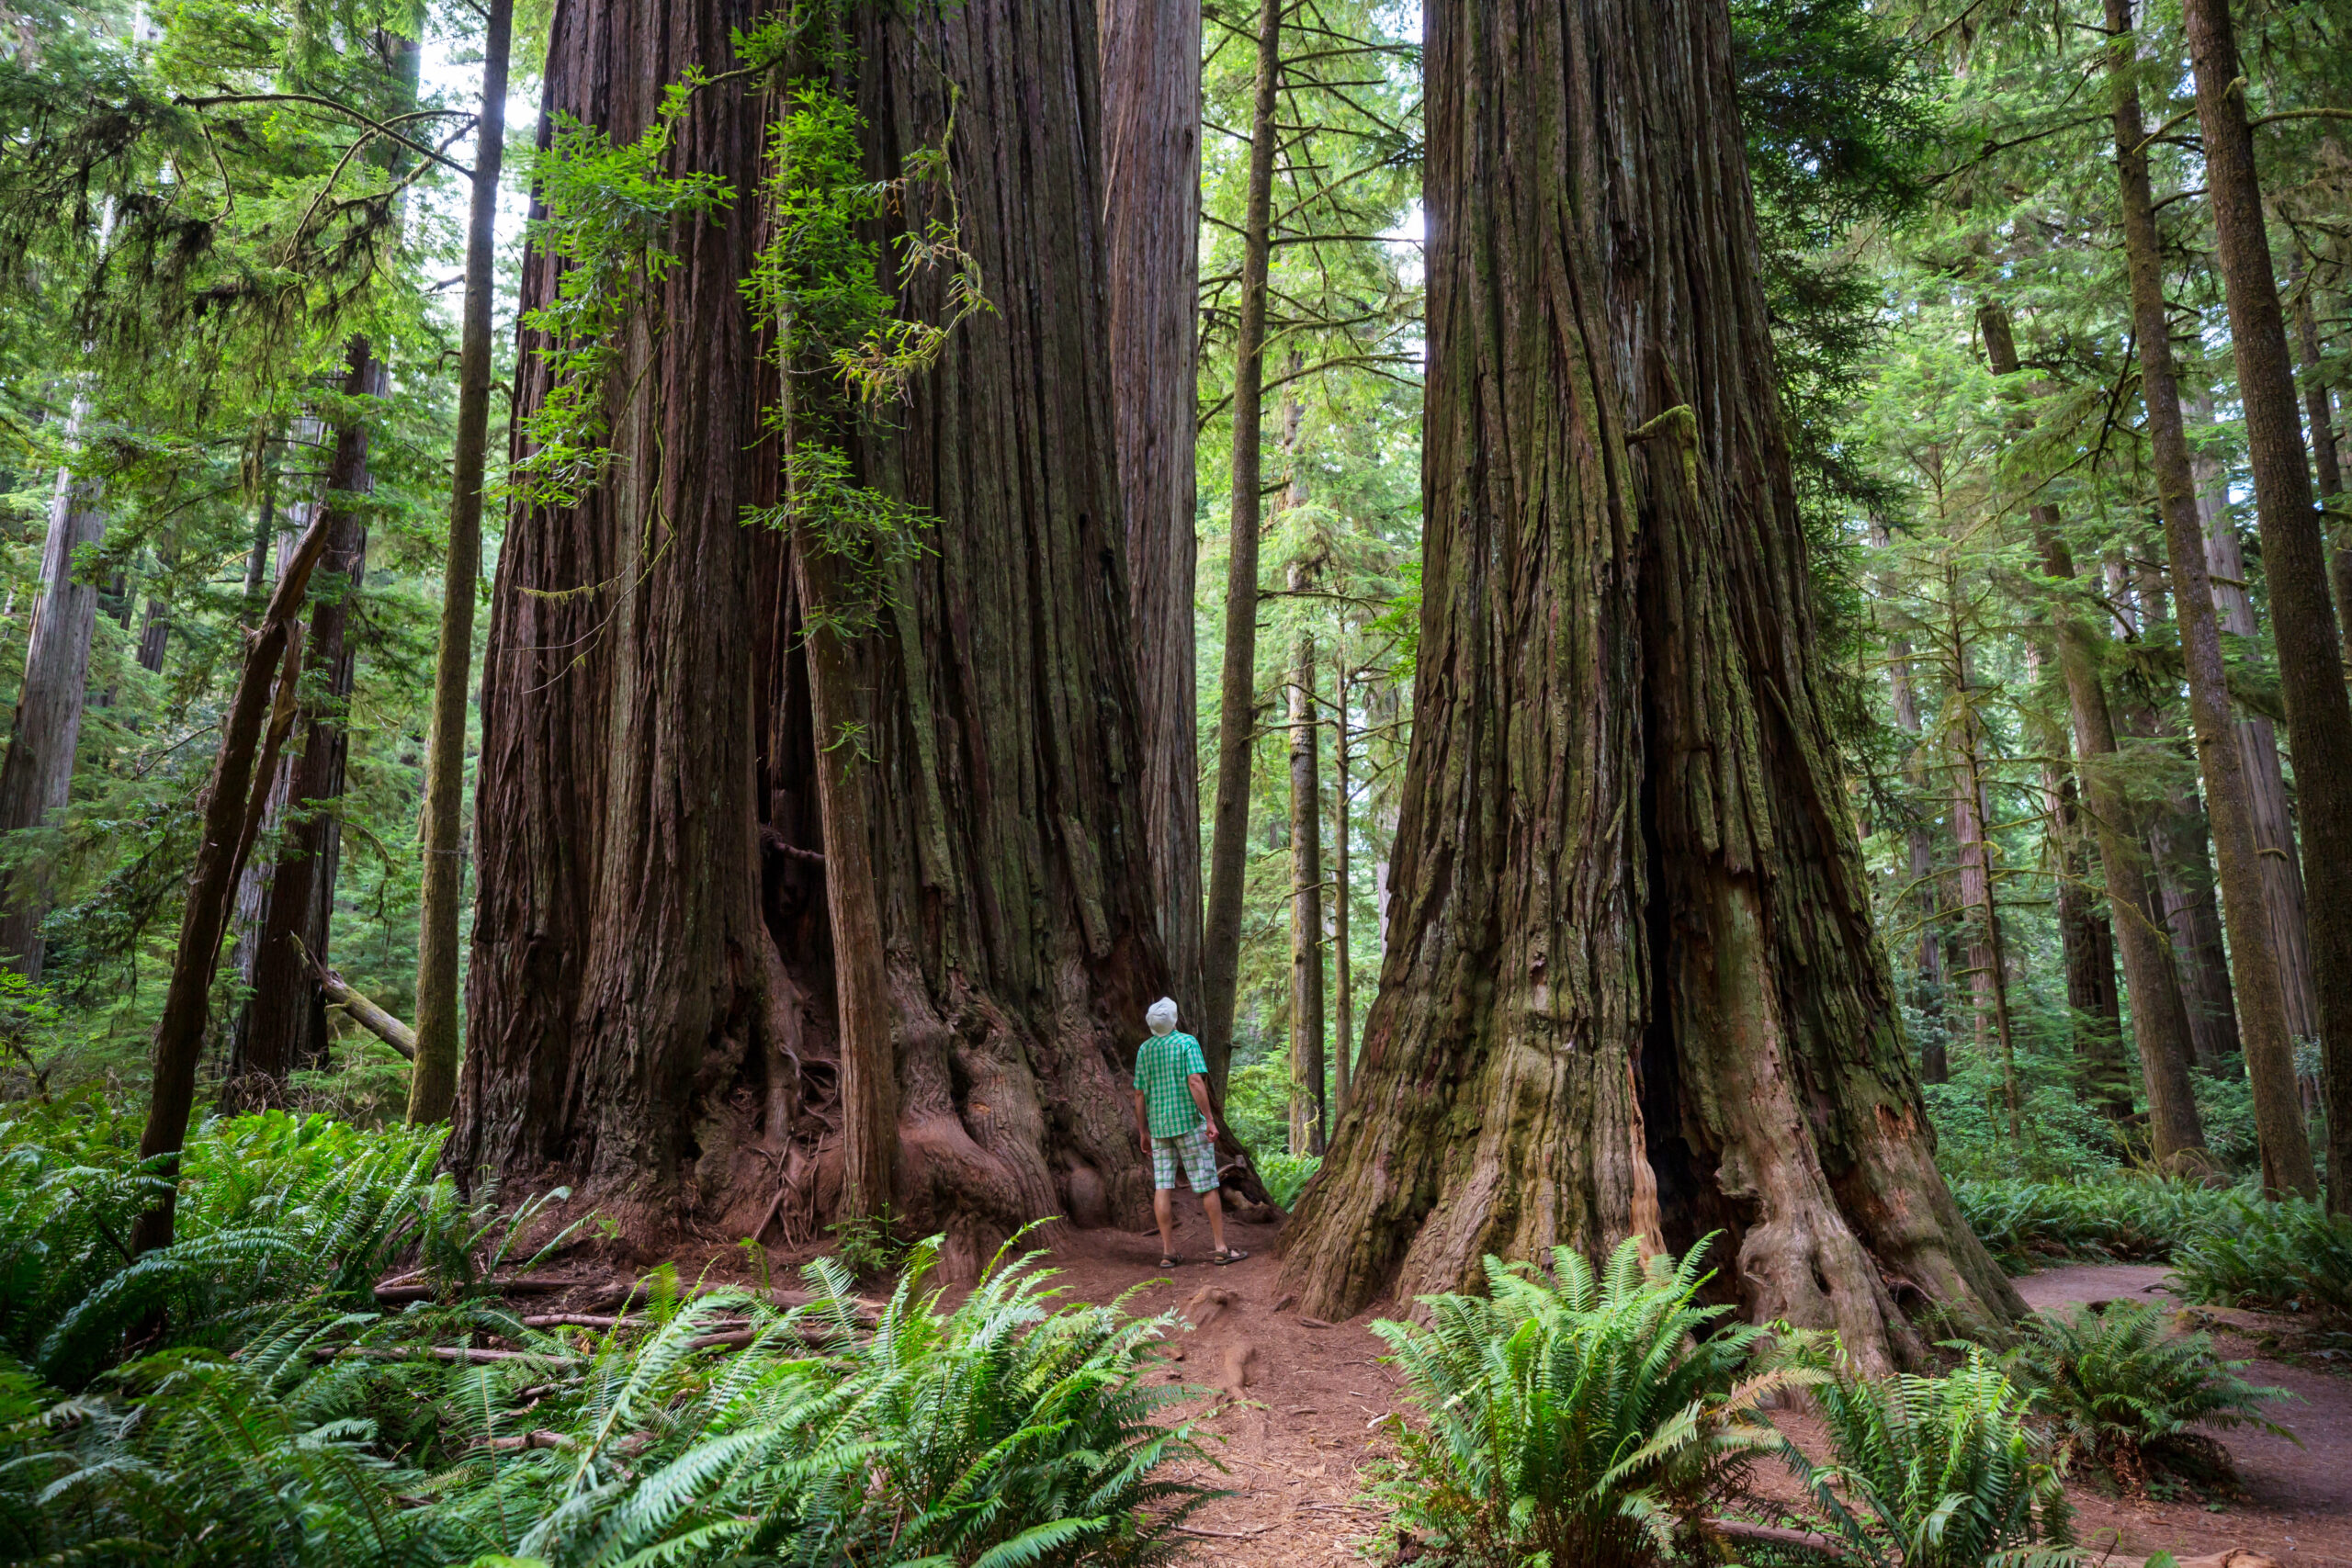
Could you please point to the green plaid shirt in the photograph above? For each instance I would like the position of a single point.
(1164, 1068)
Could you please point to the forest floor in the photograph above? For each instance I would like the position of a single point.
(1299, 1414)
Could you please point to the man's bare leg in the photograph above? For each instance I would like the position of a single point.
(1163, 1209)
(1215, 1210)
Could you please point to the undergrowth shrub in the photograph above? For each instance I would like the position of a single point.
(2121, 1391)
(2289, 1255)
(1286, 1176)
(1574, 1418)
(1937, 1472)
(2121, 1219)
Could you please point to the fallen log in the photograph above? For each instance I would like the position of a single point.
(367, 1014)
(1779, 1534)
(522, 1285)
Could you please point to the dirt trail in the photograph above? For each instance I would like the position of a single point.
(1296, 1440)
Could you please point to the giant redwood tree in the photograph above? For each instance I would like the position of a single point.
(1631, 985)
(651, 1003)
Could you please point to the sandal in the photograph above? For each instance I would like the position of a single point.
(1226, 1254)
(1169, 1260)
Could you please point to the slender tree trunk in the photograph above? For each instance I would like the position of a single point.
(1988, 958)
(1237, 689)
(433, 1084)
(2318, 410)
(2262, 1012)
(1151, 214)
(36, 777)
(229, 817)
(2160, 1026)
(265, 529)
(2086, 935)
(1919, 841)
(2274, 827)
(1344, 1021)
(1631, 918)
(1307, 1117)
(284, 1023)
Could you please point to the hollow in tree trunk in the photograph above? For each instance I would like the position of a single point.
(1633, 984)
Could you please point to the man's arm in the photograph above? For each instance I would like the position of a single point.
(1143, 1121)
(1198, 1085)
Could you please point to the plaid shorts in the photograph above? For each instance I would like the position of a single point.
(1193, 1150)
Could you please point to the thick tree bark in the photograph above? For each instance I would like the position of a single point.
(38, 775)
(1633, 984)
(1307, 1108)
(228, 820)
(1151, 214)
(2159, 1027)
(283, 1024)
(2274, 827)
(2262, 1012)
(651, 762)
(1236, 719)
(433, 1084)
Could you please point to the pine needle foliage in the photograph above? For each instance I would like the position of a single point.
(1576, 1418)
(1937, 1472)
(2123, 1393)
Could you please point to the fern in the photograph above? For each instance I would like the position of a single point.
(1576, 1419)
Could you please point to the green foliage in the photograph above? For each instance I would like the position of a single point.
(1285, 1175)
(1575, 1419)
(867, 1244)
(612, 211)
(1934, 1472)
(289, 1421)
(2288, 1256)
(2120, 1390)
(2121, 1219)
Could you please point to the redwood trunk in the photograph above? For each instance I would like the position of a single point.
(1633, 984)
(651, 771)
(284, 1024)
(2262, 1011)
(1343, 1020)
(1919, 842)
(1151, 214)
(38, 775)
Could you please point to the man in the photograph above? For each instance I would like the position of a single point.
(1172, 1118)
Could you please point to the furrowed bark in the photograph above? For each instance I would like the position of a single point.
(1151, 208)
(1343, 1023)
(1238, 685)
(228, 819)
(2262, 1012)
(1633, 984)
(2319, 410)
(432, 1086)
(36, 777)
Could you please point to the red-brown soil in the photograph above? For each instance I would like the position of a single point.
(1300, 1410)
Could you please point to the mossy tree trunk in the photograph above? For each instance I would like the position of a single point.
(1633, 985)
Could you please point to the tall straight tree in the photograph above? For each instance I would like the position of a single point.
(1308, 1121)
(658, 934)
(2262, 1009)
(284, 1023)
(1633, 984)
(46, 729)
(1151, 214)
(1237, 707)
(2302, 615)
(434, 1082)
